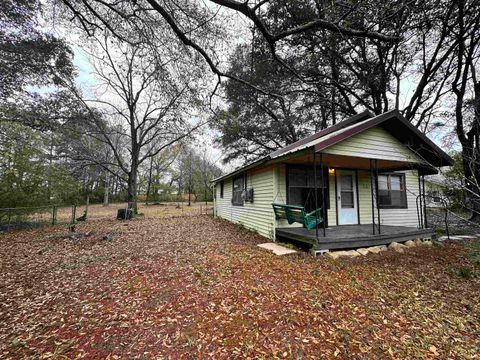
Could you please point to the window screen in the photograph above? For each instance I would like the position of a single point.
(301, 187)
(238, 188)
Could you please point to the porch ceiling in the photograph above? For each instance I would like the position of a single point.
(352, 162)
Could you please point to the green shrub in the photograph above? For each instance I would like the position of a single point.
(474, 251)
(465, 273)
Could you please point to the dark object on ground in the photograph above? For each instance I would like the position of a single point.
(20, 225)
(72, 227)
(124, 214)
(108, 237)
(83, 217)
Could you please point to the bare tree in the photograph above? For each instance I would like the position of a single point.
(159, 165)
(194, 23)
(467, 112)
(142, 104)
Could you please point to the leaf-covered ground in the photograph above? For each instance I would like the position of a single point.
(197, 287)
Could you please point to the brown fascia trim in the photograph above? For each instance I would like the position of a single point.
(342, 124)
(448, 160)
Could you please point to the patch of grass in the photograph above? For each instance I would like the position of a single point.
(473, 253)
(465, 273)
(462, 231)
(47, 237)
(242, 228)
(287, 245)
(462, 272)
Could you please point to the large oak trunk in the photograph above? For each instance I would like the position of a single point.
(132, 190)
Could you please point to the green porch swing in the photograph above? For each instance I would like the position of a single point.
(297, 213)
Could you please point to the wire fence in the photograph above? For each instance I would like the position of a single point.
(33, 217)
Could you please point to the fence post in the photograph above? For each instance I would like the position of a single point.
(54, 214)
(9, 219)
(74, 210)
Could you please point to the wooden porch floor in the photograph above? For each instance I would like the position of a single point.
(352, 236)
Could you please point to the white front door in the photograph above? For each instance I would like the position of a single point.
(347, 197)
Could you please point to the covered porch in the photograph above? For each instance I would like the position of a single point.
(367, 181)
(350, 192)
(351, 236)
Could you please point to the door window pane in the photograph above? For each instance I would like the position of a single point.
(346, 182)
(347, 199)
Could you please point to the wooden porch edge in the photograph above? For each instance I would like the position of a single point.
(354, 242)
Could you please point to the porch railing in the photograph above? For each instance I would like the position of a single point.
(422, 211)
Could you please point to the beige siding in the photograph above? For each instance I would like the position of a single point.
(365, 197)
(269, 185)
(280, 194)
(332, 212)
(374, 143)
(400, 217)
(258, 215)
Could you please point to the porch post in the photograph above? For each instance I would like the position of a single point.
(324, 204)
(420, 209)
(424, 202)
(315, 190)
(376, 191)
(372, 184)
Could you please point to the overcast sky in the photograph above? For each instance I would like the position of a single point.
(205, 141)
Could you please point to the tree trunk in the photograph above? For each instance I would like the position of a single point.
(106, 190)
(471, 160)
(149, 184)
(88, 203)
(132, 190)
(190, 182)
(132, 183)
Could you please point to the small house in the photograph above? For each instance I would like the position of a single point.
(357, 183)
